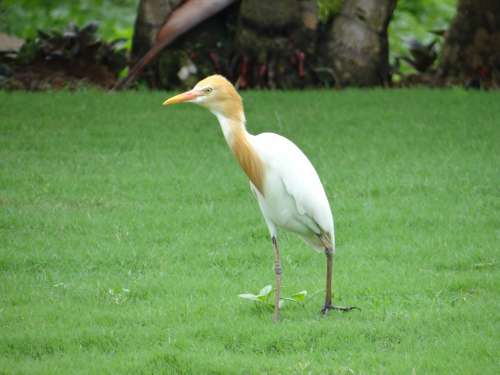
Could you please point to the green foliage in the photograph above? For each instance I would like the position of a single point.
(265, 297)
(329, 8)
(415, 19)
(25, 17)
(74, 45)
(127, 231)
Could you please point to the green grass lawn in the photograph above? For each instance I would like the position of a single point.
(127, 232)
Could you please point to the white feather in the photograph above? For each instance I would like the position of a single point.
(294, 198)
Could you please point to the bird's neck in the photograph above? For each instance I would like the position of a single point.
(240, 143)
(232, 127)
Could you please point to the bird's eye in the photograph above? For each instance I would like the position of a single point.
(207, 90)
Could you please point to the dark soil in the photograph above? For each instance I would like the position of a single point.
(55, 75)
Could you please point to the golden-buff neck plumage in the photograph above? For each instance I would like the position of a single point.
(239, 141)
(227, 105)
(248, 158)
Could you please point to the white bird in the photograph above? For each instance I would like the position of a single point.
(287, 187)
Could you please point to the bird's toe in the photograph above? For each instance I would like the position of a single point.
(327, 308)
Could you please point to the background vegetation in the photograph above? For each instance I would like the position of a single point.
(25, 17)
(412, 18)
(415, 19)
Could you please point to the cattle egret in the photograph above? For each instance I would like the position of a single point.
(286, 185)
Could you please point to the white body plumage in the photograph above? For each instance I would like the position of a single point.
(293, 197)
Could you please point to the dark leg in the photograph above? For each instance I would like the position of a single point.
(329, 281)
(277, 285)
(329, 277)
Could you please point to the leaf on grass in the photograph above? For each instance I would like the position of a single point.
(249, 296)
(265, 294)
(300, 296)
(266, 290)
(262, 298)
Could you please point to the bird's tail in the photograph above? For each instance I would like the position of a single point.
(321, 242)
(327, 241)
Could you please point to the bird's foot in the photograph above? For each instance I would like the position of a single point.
(329, 307)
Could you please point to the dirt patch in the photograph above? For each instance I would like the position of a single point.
(59, 75)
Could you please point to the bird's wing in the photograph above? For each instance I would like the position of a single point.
(299, 178)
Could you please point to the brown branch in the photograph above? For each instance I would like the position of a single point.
(182, 19)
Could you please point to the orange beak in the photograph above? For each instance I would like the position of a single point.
(182, 98)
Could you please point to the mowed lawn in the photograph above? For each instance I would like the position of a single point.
(127, 232)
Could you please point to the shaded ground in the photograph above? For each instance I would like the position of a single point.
(68, 58)
(60, 75)
(127, 232)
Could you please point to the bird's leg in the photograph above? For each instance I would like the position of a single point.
(277, 285)
(329, 276)
(329, 281)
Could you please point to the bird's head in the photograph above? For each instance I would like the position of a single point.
(216, 94)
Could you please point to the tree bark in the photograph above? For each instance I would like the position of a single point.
(270, 44)
(357, 43)
(471, 52)
(151, 15)
(276, 43)
(254, 43)
(204, 49)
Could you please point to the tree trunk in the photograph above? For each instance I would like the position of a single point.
(204, 49)
(271, 44)
(357, 43)
(151, 15)
(276, 43)
(471, 53)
